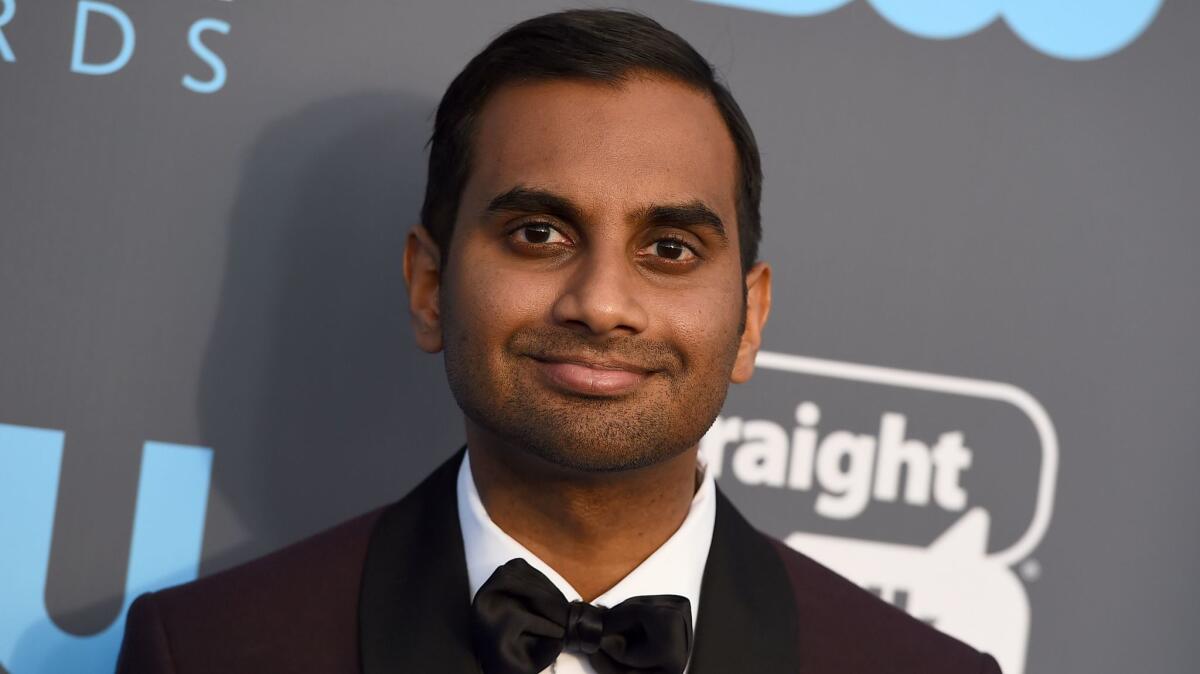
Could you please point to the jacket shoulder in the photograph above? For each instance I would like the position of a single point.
(844, 628)
(295, 609)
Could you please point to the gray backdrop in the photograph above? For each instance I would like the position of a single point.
(978, 246)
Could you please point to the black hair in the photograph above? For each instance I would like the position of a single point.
(590, 44)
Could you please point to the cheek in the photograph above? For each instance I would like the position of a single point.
(704, 323)
(487, 302)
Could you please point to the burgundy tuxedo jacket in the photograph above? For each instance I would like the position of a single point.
(388, 592)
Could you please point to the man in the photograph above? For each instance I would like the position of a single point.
(588, 264)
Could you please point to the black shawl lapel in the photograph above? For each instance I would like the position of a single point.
(414, 607)
(747, 620)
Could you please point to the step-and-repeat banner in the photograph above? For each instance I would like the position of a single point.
(980, 390)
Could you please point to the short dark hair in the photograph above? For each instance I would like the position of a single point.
(589, 44)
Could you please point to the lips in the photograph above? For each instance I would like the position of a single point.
(592, 378)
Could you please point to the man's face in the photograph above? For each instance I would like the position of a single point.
(591, 303)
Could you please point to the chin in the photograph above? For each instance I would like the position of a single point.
(606, 442)
(597, 459)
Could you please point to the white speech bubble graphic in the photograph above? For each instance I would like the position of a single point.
(953, 583)
(962, 386)
(950, 584)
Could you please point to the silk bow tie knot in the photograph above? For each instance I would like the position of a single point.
(521, 622)
(585, 627)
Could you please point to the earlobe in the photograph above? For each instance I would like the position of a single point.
(422, 275)
(758, 307)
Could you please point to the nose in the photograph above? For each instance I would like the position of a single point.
(601, 298)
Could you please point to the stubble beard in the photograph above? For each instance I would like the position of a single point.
(664, 417)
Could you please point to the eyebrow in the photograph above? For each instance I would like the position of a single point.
(521, 199)
(690, 214)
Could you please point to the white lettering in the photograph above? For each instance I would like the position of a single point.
(849, 488)
(804, 446)
(951, 458)
(847, 469)
(894, 452)
(762, 460)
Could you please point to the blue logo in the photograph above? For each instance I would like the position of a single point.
(1075, 30)
(168, 527)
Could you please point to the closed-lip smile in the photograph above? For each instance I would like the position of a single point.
(591, 377)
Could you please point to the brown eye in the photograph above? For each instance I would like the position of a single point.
(673, 250)
(538, 233)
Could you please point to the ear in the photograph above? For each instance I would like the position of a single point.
(423, 276)
(758, 305)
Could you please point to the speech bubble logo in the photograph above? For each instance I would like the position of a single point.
(954, 583)
(951, 584)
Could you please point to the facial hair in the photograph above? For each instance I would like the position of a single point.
(666, 415)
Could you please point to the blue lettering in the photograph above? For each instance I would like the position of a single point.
(168, 528)
(218, 66)
(78, 65)
(6, 15)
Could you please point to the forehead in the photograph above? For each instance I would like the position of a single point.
(639, 142)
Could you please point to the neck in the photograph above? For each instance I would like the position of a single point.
(592, 528)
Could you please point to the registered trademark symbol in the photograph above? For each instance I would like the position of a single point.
(1031, 569)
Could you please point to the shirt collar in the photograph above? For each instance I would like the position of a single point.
(676, 567)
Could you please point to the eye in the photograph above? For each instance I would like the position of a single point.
(671, 249)
(539, 233)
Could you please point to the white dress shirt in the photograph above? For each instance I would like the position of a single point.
(676, 567)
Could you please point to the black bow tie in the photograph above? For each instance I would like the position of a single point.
(521, 622)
